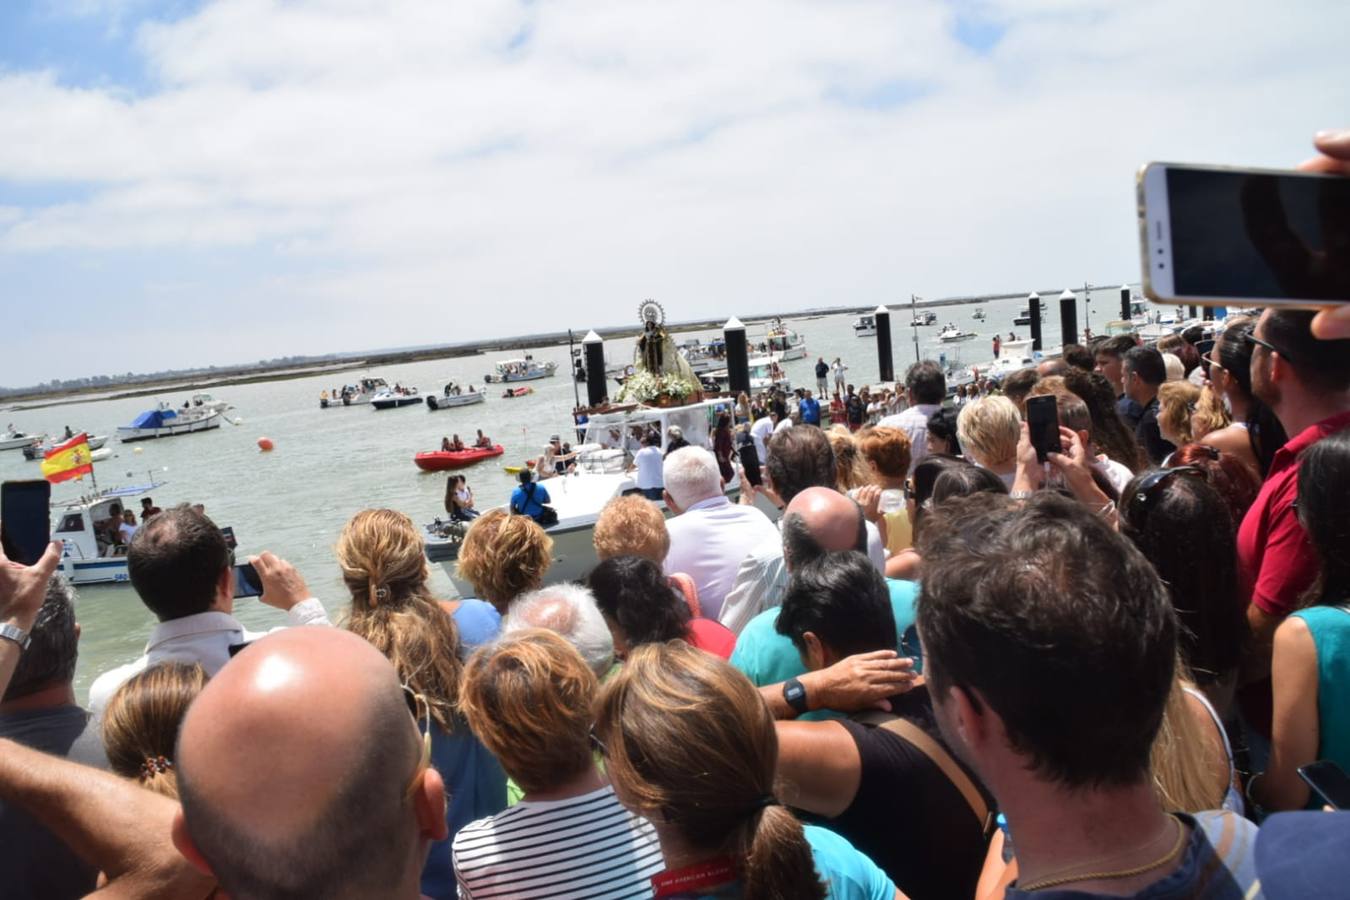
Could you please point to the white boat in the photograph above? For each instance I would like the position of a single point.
(784, 343)
(39, 448)
(978, 314)
(169, 422)
(953, 332)
(923, 319)
(82, 526)
(1013, 356)
(391, 398)
(527, 369)
(465, 397)
(703, 358)
(353, 394)
(865, 326)
(765, 374)
(13, 440)
(600, 476)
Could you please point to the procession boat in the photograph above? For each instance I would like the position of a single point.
(354, 394)
(527, 369)
(923, 319)
(952, 333)
(450, 401)
(784, 343)
(169, 422)
(440, 460)
(85, 559)
(765, 374)
(704, 357)
(392, 399)
(865, 326)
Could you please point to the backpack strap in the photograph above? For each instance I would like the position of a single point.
(921, 741)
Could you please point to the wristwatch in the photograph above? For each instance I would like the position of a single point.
(795, 695)
(16, 634)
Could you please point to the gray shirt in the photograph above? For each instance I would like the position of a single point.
(35, 863)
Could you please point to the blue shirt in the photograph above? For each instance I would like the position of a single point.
(478, 623)
(527, 502)
(810, 410)
(767, 657)
(476, 785)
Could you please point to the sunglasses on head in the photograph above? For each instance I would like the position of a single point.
(1151, 485)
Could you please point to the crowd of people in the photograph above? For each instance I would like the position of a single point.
(952, 666)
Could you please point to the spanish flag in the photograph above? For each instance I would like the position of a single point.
(68, 460)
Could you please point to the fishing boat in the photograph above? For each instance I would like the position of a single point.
(440, 460)
(526, 369)
(978, 314)
(865, 326)
(165, 421)
(922, 319)
(40, 446)
(83, 527)
(467, 397)
(952, 332)
(511, 393)
(784, 343)
(393, 398)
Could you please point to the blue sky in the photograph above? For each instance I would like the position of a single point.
(272, 172)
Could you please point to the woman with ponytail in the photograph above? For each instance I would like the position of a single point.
(690, 746)
(140, 724)
(1255, 433)
(384, 567)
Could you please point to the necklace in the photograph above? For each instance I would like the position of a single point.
(1057, 880)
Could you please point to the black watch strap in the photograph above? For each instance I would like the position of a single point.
(794, 693)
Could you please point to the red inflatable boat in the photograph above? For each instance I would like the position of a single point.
(440, 460)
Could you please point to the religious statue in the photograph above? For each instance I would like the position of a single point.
(660, 373)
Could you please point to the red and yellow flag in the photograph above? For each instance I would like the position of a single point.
(69, 460)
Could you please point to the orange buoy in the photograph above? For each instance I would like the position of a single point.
(265, 444)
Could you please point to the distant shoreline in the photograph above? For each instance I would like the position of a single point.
(258, 374)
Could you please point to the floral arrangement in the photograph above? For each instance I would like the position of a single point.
(645, 387)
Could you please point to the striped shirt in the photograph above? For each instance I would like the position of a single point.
(587, 846)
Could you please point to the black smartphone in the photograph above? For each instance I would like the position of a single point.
(1216, 236)
(25, 519)
(246, 581)
(1043, 422)
(750, 463)
(1329, 782)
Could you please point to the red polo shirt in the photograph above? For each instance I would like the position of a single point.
(1274, 556)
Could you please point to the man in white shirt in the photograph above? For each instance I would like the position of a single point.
(647, 464)
(709, 535)
(182, 569)
(799, 459)
(926, 387)
(760, 432)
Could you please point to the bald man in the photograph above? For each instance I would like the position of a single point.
(818, 521)
(302, 774)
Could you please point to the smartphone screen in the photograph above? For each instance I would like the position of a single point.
(246, 581)
(750, 463)
(1248, 237)
(1043, 423)
(25, 519)
(1329, 782)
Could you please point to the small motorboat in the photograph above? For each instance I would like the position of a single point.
(953, 332)
(526, 369)
(440, 460)
(13, 440)
(923, 319)
(978, 314)
(865, 326)
(466, 397)
(517, 392)
(38, 449)
(169, 422)
(395, 398)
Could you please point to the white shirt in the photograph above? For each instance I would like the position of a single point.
(648, 462)
(709, 540)
(913, 422)
(203, 638)
(839, 370)
(759, 433)
(128, 532)
(762, 579)
(1117, 473)
(783, 425)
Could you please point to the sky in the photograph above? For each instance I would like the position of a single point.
(194, 182)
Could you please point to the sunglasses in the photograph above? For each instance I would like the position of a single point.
(1150, 486)
(1251, 338)
(421, 713)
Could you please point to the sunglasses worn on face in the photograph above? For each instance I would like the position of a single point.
(1251, 338)
(421, 712)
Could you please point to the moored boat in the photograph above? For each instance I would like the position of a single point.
(169, 422)
(526, 369)
(466, 397)
(393, 398)
(865, 326)
(440, 460)
(13, 440)
(353, 394)
(922, 319)
(40, 446)
(784, 343)
(953, 332)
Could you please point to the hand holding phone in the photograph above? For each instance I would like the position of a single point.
(282, 585)
(246, 581)
(23, 588)
(25, 520)
(1329, 782)
(1043, 425)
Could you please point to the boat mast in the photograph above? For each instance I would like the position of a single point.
(914, 325)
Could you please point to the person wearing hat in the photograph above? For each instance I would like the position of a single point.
(675, 439)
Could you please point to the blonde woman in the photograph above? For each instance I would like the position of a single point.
(384, 567)
(504, 556)
(1176, 402)
(989, 429)
(850, 468)
(690, 746)
(1209, 415)
(140, 724)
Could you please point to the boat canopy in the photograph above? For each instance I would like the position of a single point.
(155, 418)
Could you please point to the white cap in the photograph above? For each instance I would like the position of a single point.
(1067, 295)
(591, 338)
(733, 324)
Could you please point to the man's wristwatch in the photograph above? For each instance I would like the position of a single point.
(16, 634)
(795, 695)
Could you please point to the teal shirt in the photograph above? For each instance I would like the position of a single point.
(1330, 628)
(767, 657)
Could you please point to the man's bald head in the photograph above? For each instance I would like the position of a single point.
(293, 764)
(821, 520)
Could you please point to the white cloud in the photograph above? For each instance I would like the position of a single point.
(561, 159)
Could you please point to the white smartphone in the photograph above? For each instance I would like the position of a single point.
(1218, 236)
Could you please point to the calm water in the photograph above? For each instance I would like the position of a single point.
(329, 464)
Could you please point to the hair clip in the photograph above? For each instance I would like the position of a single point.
(155, 765)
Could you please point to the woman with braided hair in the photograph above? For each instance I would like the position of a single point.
(384, 567)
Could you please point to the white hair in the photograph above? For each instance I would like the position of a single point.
(690, 475)
(1175, 368)
(570, 611)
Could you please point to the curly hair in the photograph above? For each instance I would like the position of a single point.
(503, 556)
(631, 525)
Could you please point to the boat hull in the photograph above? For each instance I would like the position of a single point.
(127, 434)
(441, 460)
(396, 402)
(95, 571)
(955, 338)
(16, 443)
(435, 403)
(519, 376)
